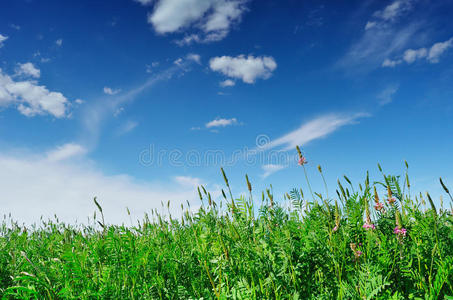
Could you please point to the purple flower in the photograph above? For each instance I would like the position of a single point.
(358, 253)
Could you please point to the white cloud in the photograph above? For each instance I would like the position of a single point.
(118, 111)
(127, 127)
(246, 68)
(79, 101)
(31, 99)
(14, 26)
(65, 151)
(312, 130)
(188, 181)
(189, 39)
(377, 44)
(2, 39)
(411, 55)
(386, 96)
(110, 91)
(144, 2)
(178, 61)
(227, 82)
(194, 57)
(213, 18)
(391, 63)
(28, 69)
(271, 168)
(59, 42)
(33, 186)
(394, 10)
(383, 36)
(370, 25)
(95, 112)
(437, 49)
(432, 54)
(219, 122)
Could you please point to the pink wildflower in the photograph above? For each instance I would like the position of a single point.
(400, 232)
(369, 226)
(302, 161)
(391, 200)
(358, 253)
(379, 206)
(335, 228)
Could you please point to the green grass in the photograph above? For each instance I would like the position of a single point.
(262, 249)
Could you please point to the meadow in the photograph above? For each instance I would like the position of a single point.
(373, 240)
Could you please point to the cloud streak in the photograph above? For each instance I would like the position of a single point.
(96, 113)
(315, 129)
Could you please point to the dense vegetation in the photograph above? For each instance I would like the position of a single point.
(371, 241)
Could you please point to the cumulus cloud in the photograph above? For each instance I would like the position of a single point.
(65, 151)
(2, 39)
(30, 98)
(247, 68)
(28, 69)
(34, 186)
(110, 91)
(269, 169)
(431, 54)
(219, 122)
(212, 18)
(59, 42)
(315, 129)
(227, 82)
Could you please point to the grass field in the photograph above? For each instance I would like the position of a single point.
(374, 240)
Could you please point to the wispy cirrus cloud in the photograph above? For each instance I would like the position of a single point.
(389, 14)
(3, 38)
(312, 130)
(383, 36)
(127, 127)
(94, 114)
(386, 96)
(270, 169)
(65, 152)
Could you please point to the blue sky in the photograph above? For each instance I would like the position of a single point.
(140, 101)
